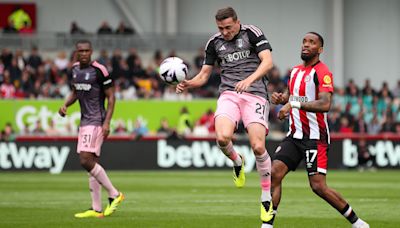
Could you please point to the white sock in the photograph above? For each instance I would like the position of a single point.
(359, 222)
(265, 196)
(265, 225)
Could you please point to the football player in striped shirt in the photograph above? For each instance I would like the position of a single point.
(306, 103)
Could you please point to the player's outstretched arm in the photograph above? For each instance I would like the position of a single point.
(200, 79)
(110, 95)
(262, 70)
(68, 102)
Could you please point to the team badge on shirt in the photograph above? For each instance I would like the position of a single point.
(307, 78)
(327, 81)
(87, 75)
(239, 43)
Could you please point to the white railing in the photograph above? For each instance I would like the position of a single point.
(56, 41)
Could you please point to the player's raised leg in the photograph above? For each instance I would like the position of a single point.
(224, 129)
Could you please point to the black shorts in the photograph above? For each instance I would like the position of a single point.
(314, 152)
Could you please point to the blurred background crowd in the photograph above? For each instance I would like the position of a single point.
(28, 75)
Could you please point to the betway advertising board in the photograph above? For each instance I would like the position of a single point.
(25, 113)
(56, 156)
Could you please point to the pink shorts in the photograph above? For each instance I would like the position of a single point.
(248, 107)
(90, 139)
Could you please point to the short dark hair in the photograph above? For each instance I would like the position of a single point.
(321, 39)
(225, 13)
(83, 42)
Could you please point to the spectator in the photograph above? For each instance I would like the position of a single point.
(374, 127)
(367, 88)
(185, 123)
(26, 84)
(8, 134)
(388, 124)
(199, 59)
(345, 126)
(205, 125)
(115, 63)
(164, 128)
(34, 60)
(170, 94)
(122, 29)
(15, 72)
(6, 57)
(75, 29)
(21, 61)
(61, 61)
(120, 128)
(396, 90)
(104, 59)
(339, 100)
(140, 129)
(7, 89)
(131, 59)
(360, 126)
(38, 129)
(364, 157)
(104, 29)
(52, 130)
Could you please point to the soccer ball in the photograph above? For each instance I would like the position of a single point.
(173, 70)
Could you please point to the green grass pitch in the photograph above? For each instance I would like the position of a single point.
(194, 199)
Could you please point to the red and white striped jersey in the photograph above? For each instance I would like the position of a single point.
(304, 85)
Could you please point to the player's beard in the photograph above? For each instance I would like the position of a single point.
(306, 57)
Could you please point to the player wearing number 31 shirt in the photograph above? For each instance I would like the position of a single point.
(91, 86)
(306, 103)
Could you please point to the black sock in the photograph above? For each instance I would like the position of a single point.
(349, 214)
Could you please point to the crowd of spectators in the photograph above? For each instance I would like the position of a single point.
(104, 29)
(354, 109)
(362, 109)
(32, 76)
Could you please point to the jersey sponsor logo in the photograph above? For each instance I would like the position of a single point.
(82, 86)
(239, 43)
(262, 42)
(298, 98)
(33, 157)
(236, 56)
(222, 48)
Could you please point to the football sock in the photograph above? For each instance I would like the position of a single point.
(101, 176)
(349, 214)
(263, 163)
(230, 152)
(95, 192)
